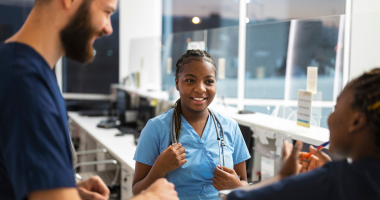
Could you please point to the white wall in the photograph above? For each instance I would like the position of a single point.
(365, 36)
(138, 19)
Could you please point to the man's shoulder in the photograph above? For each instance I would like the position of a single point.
(21, 77)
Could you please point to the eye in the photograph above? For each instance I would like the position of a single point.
(210, 81)
(189, 80)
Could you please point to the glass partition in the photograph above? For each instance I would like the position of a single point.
(277, 58)
(220, 43)
(278, 55)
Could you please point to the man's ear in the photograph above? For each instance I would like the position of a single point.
(68, 4)
(358, 122)
(176, 83)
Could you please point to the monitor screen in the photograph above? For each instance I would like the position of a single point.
(122, 104)
(146, 111)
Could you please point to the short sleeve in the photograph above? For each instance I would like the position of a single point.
(148, 146)
(316, 185)
(241, 152)
(34, 138)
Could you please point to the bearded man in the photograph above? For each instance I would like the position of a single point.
(35, 151)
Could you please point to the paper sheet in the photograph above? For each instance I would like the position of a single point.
(304, 108)
(267, 168)
(221, 68)
(312, 77)
(169, 66)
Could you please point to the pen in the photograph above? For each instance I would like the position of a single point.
(318, 148)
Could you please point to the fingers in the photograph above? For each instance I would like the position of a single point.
(177, 146)
(296, 149)
(180, 150)
(102, 188)
(183, 156)
(320, 154)
(229, 170)
(217, 184)
(182, 162)
(220, 173)
(287, 149)
(88, 195)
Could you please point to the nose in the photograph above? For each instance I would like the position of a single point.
(107, 30)
(200, 87)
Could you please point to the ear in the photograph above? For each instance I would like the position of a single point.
(176, 84)
(358, 122)
(69, 4)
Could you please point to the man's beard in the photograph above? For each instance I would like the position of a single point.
(77, 36)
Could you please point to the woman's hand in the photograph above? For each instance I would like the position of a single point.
(171, 158)
(225, 179)
(315, 161)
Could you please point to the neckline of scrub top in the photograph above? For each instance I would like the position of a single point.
(192, 130)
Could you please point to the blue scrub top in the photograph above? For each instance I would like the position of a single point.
(193, 180)
(35, 151)
(334, 181)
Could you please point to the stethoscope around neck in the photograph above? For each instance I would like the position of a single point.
(220, 139)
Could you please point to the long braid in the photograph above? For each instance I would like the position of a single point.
(177, 117)
(190, 55)
(367, 98)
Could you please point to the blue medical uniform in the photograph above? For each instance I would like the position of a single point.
(35, 151)
(334, 181)
(193, 180)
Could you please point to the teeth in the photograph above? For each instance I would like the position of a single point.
(199, 99)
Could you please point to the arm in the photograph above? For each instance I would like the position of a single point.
(241, 171)
(290, 166)
(159, 190)
(170, 159)
(55, 194)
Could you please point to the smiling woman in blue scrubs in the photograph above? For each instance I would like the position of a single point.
(192, 163)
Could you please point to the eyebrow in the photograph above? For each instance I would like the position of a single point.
(112, 9)
(192, 75)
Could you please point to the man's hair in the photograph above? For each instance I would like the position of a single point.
(41, 2)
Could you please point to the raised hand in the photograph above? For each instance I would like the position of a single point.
(318, 159)
(290, 163)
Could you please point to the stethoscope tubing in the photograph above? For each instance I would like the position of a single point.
(220, 140)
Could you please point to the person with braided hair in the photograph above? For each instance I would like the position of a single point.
(354, 132)
(192, 164)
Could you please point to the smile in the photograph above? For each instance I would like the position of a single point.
(200, 100)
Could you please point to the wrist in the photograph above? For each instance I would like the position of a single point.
(158, 171)
(150, 196)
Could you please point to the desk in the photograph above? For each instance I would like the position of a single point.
(314, 135)
(122, 148)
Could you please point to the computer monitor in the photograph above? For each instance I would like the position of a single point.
(146, 112)
(123, 100)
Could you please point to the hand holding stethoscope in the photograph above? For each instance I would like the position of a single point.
(221, 143)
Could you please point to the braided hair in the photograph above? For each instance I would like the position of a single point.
(190, 55)
(367, 98)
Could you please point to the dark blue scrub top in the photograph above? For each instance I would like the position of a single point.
(35, 151)
(334, 181)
